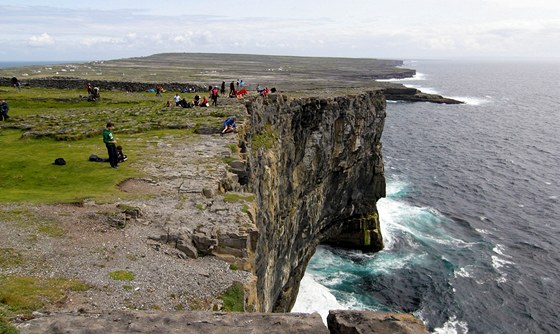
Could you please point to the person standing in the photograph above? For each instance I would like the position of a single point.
(214, 96)
(232, 92)
(223, 88)
(111, 144)
(4, 108)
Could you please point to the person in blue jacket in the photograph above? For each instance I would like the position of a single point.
(229, 125)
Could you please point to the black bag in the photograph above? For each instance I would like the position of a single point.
(95, 158)
(59, 162)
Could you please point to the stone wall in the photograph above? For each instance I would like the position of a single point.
(317, 172)
(78, 83)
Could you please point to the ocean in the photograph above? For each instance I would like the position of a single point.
(471, 221)
(10, 64)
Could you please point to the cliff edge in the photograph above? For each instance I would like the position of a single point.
(317, 171)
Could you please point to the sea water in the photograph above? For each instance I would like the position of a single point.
(471, 221)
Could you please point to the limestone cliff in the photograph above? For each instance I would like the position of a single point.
(317, 172)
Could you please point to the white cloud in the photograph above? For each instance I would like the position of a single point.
(41, 40)
(396, 29)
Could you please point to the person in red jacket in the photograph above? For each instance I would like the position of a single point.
(204, 102)
(214, 96)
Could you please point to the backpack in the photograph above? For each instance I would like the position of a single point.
(59, 162)
(95, 158)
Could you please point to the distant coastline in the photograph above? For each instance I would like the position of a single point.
(9, 64)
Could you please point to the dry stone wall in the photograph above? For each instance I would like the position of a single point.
(104, 85)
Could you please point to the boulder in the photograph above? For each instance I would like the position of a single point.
(204, 241)
(352, 322)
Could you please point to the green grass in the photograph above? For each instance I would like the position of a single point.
(234, 298)
(227, 160)
(31, 222)
(236, 198)
(266, 138)
(48, 123)
(121, 275)
(233, 148)
(10, 257)
(25, 294)
(6, 327)
(50, 230)
(27, 172)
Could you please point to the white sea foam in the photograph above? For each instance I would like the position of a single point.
(453, 326)
(462, 272)
(418, 77)
(387, 262)
(423, 89)
(482, 231)
(470, 100)
(314, 297)
(499, 249)
(498, 263)
(399, 218)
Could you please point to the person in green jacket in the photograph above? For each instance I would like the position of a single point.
(111, 144)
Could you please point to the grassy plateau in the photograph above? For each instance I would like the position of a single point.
(46, 124)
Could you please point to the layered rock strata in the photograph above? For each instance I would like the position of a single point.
(317, 171)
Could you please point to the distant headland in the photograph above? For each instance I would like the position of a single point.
(296, 75)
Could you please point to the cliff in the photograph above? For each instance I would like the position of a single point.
(316, 168)
(317, 171)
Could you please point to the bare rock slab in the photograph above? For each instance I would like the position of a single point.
(358, 322)
(176, 322)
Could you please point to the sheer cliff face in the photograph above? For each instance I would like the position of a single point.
(317, 171)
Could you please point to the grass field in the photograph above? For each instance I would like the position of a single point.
(46, 124)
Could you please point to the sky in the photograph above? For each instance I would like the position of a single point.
(70, 30)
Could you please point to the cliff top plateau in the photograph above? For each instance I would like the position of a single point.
(179, 226)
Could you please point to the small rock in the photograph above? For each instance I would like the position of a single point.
(208, 193)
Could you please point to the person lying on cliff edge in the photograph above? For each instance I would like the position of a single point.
(229, 125)
(111, 144)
